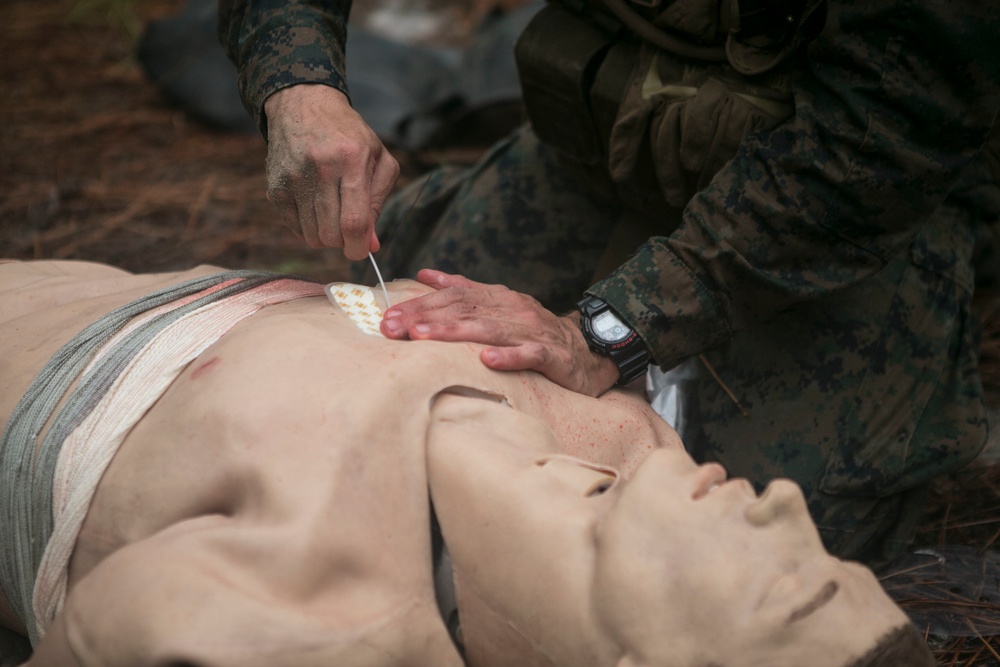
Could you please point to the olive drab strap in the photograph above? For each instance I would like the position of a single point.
(557, 56)
(660, 93)
(753, 36)
(693, 117)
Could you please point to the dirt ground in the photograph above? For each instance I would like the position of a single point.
(94, 165)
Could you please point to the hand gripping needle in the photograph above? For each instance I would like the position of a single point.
(381, 282)
(378, 273)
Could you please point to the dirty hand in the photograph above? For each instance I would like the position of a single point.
(520, 334)
(327, 171)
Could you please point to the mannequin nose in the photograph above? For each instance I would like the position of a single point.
(781, 500)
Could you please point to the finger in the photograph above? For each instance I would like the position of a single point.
(421, 304)
(290, 217)
(504, 311)
(554, 363)
(420, 324)
(327, 214)
(456, 290)
(454, 305)
(284, 203)
(440, 279)
(383, 180)
(434, 324)
(529, 356)
(439, 326)
(357, 223)
(306, 208)
(293, 201)
(432, 278)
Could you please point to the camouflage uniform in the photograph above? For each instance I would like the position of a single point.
(277, 44)
(824, 273)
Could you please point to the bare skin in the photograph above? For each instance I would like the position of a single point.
(517, 331)
(559, 562)
(327, 171)
(282, 484)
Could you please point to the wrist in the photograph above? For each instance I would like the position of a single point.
(593, 374)
(604, 374)
(303, 95)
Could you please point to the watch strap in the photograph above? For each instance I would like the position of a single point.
(632, 367)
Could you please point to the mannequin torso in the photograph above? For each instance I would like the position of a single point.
(272, 507)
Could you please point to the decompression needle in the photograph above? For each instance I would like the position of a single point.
(381, 282)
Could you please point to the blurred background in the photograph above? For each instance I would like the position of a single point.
(145, 164)
(119, 143)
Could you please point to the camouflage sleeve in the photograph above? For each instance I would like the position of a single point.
(895, 99)
(280, 43)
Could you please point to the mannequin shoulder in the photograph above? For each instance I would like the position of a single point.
(211, 592)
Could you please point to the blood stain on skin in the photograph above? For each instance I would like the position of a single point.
(205, 368)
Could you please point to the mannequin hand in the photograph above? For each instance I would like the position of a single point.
(327, 172)
(519, 333)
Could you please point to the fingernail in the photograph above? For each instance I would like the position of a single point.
(491, 355)
(421, 328)
(389, 314)
(392, 325)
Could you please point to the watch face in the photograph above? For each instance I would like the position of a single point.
(609, 328)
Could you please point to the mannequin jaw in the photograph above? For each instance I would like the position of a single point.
(726, 577)
(561, 563)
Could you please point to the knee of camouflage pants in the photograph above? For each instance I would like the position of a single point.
(520, 217)
(861, 397)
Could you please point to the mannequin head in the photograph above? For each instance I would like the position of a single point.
(565, 563)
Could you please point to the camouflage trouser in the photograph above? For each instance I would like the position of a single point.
(841, 395)
(520, 217)
(846, 395)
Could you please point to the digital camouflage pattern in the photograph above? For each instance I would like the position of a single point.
(276, 44)
(862, 396)
(521, 216)
(824, 274)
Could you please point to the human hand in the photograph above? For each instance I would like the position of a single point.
(327, 171)
(520, 334)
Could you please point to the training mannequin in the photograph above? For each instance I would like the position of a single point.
(273, 506)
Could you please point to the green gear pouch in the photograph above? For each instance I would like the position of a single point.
(659, 124)
(557, 57)
(690, 117)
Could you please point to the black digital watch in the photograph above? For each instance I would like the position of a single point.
(608, 336)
